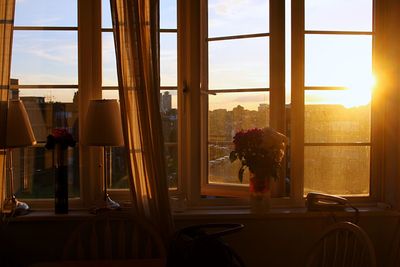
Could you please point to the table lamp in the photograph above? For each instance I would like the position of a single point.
(18, 134)
(103, 128)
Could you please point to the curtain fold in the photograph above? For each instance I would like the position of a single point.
(136, 35)
(7, 9)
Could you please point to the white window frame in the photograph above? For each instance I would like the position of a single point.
(193, 86)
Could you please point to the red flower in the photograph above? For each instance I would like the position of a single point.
(260, 150)
(60, 136)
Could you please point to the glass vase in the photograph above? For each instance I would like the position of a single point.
(61, 180)
(260, 194)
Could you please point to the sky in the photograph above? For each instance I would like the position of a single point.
(51, 57)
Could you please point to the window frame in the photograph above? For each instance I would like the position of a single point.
(195, 182)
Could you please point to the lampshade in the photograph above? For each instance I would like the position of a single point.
(103, 124)
(19, 131)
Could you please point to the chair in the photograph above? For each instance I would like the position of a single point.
(343, 244)
(114, 235)
(202, 245)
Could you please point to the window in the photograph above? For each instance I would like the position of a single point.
(325, 108)
(237, 83)
(44, 74)
(338, 84)
(303, 67)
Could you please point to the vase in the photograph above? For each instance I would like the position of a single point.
(260, 194)
(61, 180)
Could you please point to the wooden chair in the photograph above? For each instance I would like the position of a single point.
(114, 235)
(343, 244)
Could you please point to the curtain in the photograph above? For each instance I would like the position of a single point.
(7, 8)
(136, 35)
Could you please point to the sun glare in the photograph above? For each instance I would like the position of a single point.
(359, 92)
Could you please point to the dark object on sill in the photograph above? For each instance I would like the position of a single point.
(202, 245)
(61, 190)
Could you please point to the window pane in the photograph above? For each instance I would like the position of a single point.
(338, 15)
(34, 174)
(44, 57)
(227, 18)
(119, 169)
(337, 60)
(110, 94)
(169, 117)
(242, 63)
(168, 59)
(34, 165)
(339, 170)
(106, 21)
(229, 113)
(328, 120)
(109, 64)
(168, 14)
(46, 13)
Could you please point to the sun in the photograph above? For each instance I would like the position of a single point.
(359, 92)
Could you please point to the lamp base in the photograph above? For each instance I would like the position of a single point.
(14, 207)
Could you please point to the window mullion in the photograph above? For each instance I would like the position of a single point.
(90, 78)
(297, 101)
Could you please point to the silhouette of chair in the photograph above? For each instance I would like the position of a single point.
(342, 244)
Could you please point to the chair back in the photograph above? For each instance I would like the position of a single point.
(343, 244)
(114, 235)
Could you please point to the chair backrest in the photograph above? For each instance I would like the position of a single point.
(114, 235)
(343, 244)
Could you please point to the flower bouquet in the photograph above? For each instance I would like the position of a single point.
(261, 151)
(61, 137)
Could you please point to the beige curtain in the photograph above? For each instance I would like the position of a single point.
(136, 37)
(7, 8)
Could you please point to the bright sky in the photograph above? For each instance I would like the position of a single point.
(51, 57)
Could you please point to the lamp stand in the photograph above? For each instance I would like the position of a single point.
(109, 203)
(12, 205)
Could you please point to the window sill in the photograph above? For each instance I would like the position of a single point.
(215, 213)
(245, 213)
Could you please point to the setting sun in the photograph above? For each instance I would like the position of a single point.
(359, 92)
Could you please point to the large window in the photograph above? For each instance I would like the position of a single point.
(303, 67)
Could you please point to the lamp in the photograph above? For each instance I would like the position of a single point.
(18, 134)
(103, 128)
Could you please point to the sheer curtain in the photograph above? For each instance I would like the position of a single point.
(136, 35)
(7, 8)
